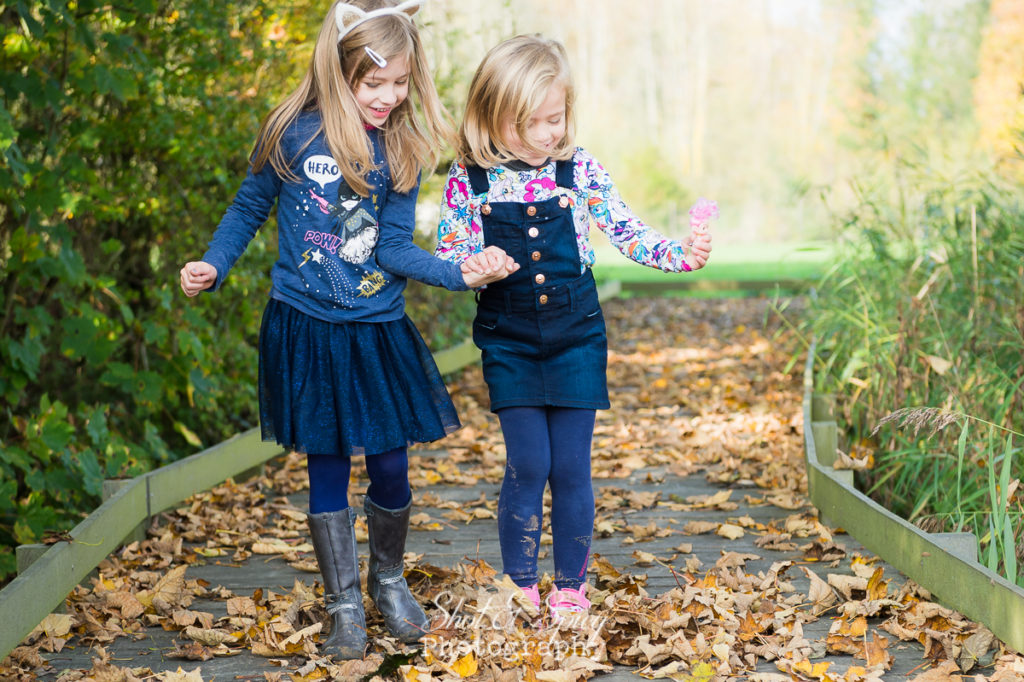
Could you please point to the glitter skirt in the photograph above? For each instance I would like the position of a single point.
(357, 388)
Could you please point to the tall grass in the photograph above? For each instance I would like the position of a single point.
(924, 313)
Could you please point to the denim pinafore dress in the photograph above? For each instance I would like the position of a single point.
(540, 331)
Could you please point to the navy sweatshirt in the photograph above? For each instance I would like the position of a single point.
(341, 257)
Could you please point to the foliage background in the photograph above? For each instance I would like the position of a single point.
(124, 131)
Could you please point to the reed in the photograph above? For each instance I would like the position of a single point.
(920, 327)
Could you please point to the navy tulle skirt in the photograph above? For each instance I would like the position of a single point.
(356, 388)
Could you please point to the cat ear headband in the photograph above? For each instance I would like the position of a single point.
(346, 12)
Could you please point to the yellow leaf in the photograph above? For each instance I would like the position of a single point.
(817, 670)
(465, 666)
(877, 588)
(190, 437)
(702, 672)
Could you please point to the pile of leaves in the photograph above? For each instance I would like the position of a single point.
(725, 408)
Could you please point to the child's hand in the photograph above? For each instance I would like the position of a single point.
(489, 265)
(196, 277)
(699, 251)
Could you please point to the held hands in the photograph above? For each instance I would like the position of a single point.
(196, 277)
(490, 265)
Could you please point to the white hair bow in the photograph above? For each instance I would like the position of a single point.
(345, 11)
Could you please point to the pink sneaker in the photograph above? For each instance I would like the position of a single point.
(563, 603)
(533, 594)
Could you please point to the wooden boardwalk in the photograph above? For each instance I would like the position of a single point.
(669, 488)
(458, 541)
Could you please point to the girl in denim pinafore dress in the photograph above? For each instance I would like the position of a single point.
(521, 185)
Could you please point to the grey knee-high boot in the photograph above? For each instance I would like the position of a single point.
(385, 582)
(334, 541)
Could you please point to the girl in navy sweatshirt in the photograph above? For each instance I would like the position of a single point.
(343, 371)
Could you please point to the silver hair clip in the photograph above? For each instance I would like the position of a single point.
(377, 59)
(346, 11)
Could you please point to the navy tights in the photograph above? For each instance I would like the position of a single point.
(329, 474)
(546, 445)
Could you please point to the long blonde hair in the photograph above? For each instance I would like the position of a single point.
(508, 87)
(410, 144)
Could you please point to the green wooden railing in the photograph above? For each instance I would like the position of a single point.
(945, 564)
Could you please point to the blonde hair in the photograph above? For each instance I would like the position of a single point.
(508, 87)
(410, 144)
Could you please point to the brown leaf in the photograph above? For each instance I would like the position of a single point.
(974, 647)
(699, 527)
(823, 551)
(241, 606)
(875, 651)
(209, 637)
(52, 537)
(191, 651)
(126, 603)
(734, 559)
(846, 585)
(944, 672)
(479, 572)
(819, 593)
(54, 625)
(779, 542)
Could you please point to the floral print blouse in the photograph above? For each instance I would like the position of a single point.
(593, 198)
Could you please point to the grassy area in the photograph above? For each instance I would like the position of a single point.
(729, 263)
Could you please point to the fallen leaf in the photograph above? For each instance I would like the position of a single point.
(731, 531)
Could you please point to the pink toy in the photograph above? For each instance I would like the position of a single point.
(702, 213)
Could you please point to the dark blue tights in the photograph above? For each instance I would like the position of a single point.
(329, 474)
(546, 445)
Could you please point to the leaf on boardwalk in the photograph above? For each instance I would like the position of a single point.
(730, 531)
(947, 671)
(181, 676)
(191, 651)
(700, 527)
(974, 647)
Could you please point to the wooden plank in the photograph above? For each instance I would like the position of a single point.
(172, 483)
(30, 597)
(936, 564)
(609, 290)
(455, 358)
(110, 488)
(826, 441)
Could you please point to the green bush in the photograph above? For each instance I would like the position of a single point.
(124, 133)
